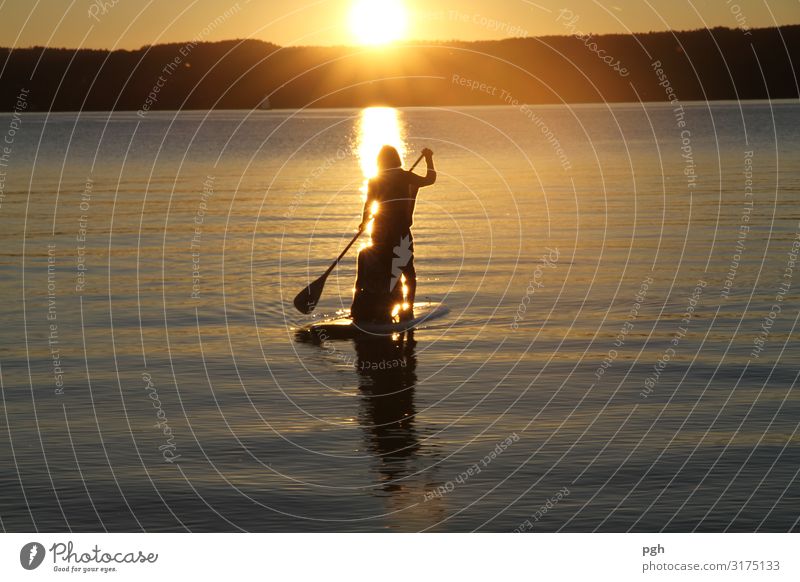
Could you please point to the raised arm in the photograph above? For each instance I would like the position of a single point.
(430, 176)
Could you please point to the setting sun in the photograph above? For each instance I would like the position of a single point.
(376, 22)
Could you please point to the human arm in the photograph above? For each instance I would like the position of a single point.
(430, 176)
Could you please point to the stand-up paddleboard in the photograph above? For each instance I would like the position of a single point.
(340, 327)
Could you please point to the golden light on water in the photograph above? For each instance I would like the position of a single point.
(377, 22)
(377, 127)
(404, 305)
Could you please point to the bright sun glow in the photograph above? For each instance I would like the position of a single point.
(377, 126)
(378, 21)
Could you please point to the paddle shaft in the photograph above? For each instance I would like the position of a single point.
(307, 299)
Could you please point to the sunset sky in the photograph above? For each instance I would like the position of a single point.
(133, 23)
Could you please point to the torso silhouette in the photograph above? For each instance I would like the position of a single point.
(395, 191)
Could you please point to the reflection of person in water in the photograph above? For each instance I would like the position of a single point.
(391, 197)
(387, 378)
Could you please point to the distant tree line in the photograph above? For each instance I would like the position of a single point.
(712, 64)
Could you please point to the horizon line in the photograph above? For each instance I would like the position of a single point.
(406, 43)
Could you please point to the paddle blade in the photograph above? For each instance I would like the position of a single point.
(307, 299)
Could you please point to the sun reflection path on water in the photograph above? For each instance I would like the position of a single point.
(377, 127)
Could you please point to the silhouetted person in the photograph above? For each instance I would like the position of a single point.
(394, 192)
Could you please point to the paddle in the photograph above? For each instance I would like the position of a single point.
(307, 299)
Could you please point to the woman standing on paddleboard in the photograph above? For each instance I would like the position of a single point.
(391, 197)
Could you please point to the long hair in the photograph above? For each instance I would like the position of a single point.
(388, 158)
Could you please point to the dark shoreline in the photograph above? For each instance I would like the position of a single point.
(702, 65)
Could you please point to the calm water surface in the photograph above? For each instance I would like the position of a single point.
(623, 323)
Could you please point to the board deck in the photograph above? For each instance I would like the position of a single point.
(341, 327)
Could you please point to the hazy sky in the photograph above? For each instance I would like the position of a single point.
(133, 23)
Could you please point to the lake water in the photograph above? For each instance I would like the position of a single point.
(620, 354)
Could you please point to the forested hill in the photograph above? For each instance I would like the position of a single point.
(719, 63)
